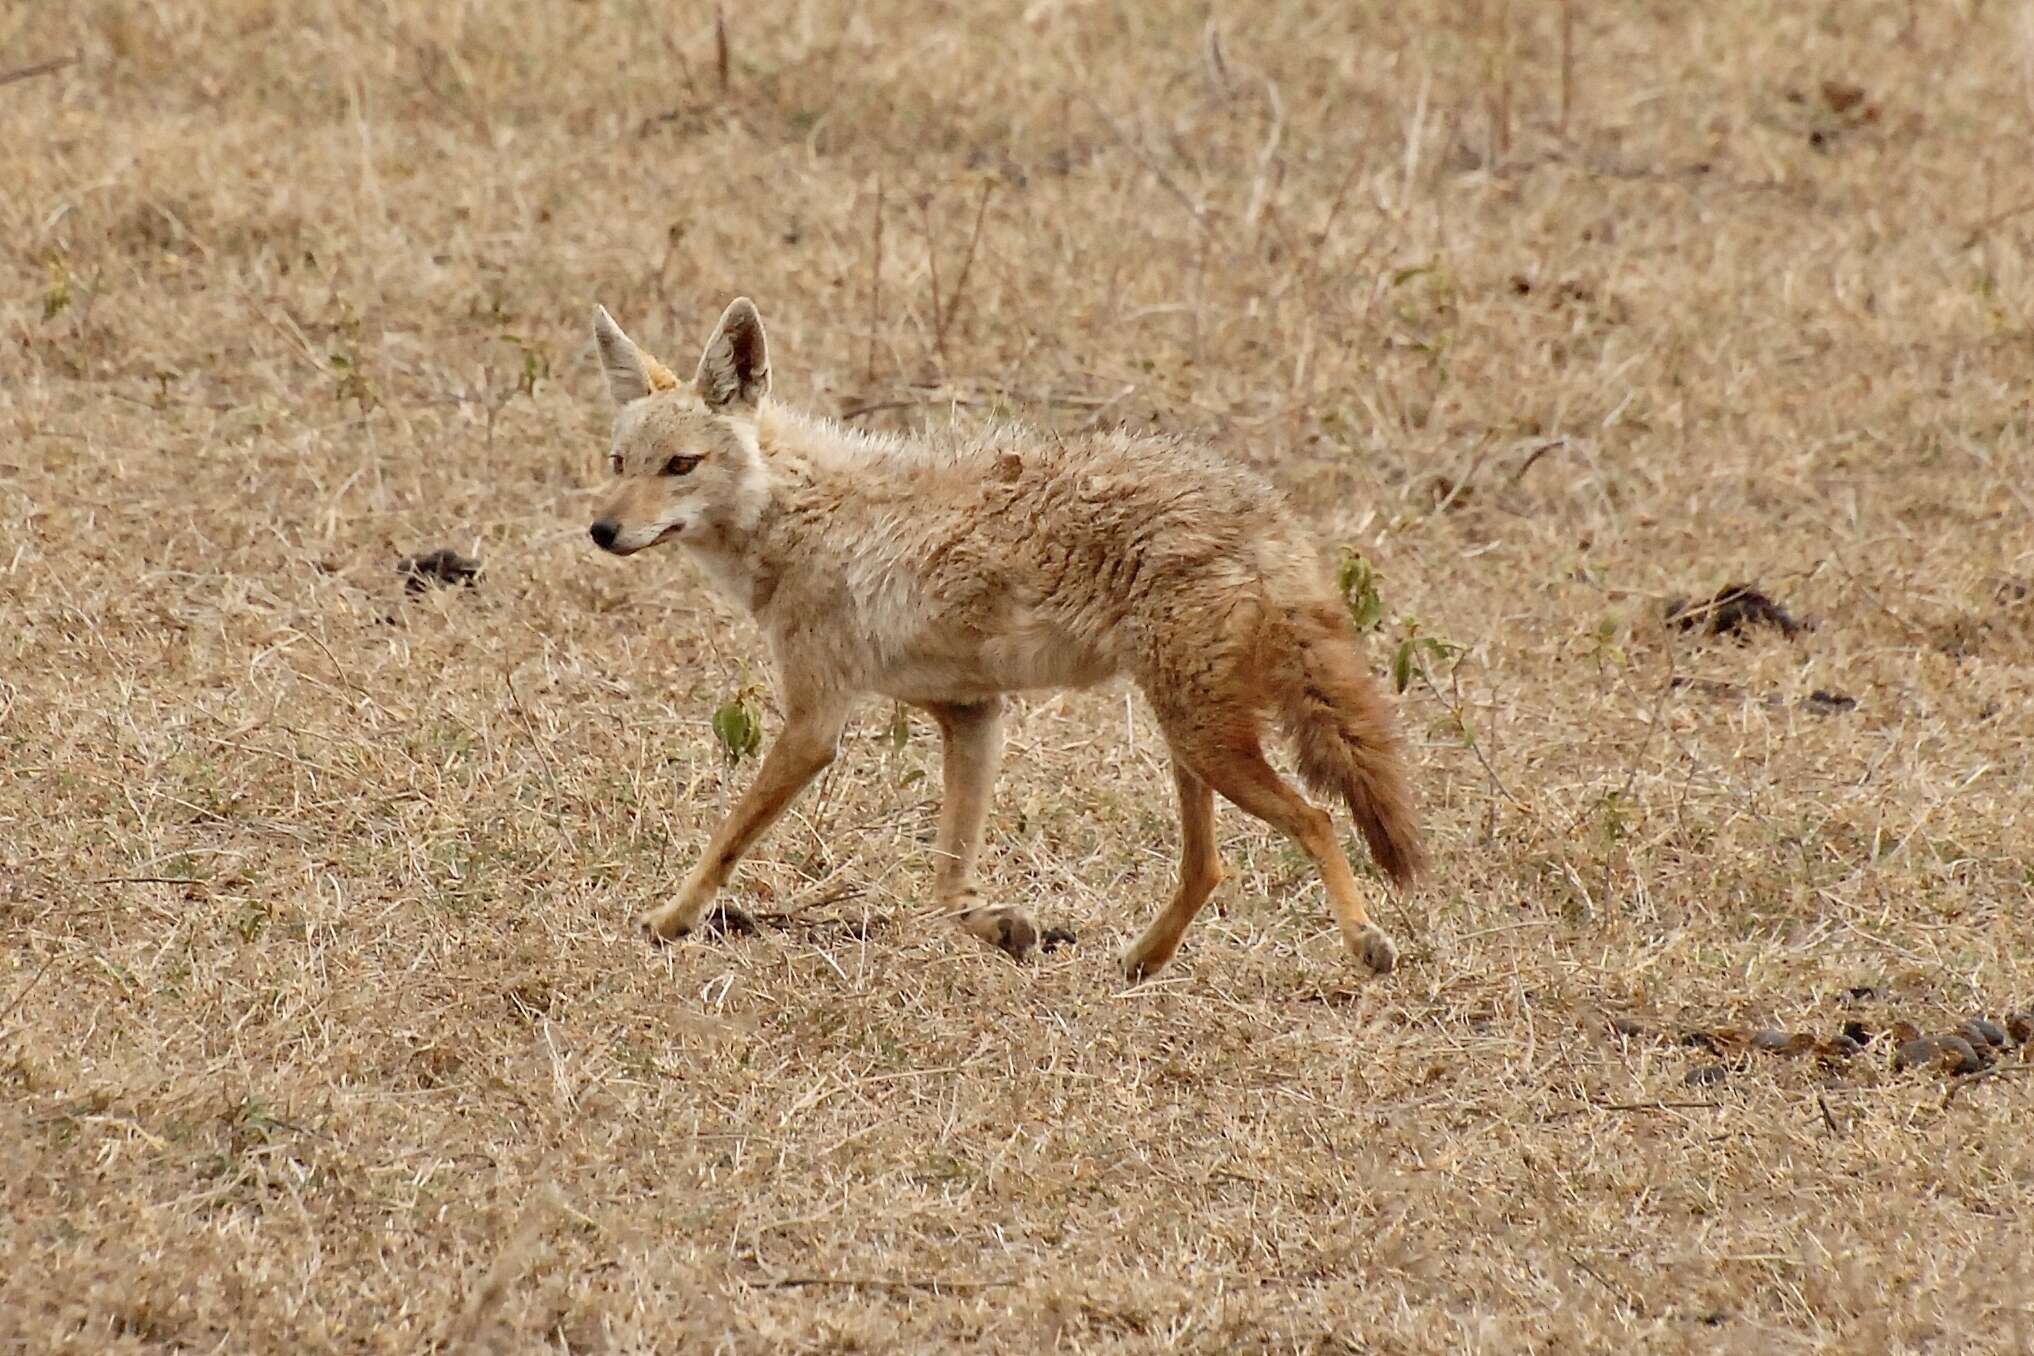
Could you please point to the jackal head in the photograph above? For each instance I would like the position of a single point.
(685, 458)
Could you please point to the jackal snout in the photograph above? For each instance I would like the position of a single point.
(620, 533)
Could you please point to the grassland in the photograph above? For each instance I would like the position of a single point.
(322, 1024)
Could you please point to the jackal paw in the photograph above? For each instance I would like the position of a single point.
(1138, 967)
(1143, 958)
(723, 920)
(1375, 950)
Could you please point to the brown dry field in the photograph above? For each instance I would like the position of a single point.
(322, 1021)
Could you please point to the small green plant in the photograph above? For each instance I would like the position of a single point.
(1413, 647)
(738, 724)
(898, 733)
(350, 382)
(1418, 657)
(1359, 582)
(536, 365)
(1357, 578)
(1613, 818)
(252, 920)
(57, 297)
(1605, 647)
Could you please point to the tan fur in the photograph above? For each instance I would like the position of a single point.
(948, 570)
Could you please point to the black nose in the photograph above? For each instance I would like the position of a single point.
(603, 533)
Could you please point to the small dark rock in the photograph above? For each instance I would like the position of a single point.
(1862, 993)
(2020, 1026)
(1951, 1054)
(1705, 1075)
(1914, 1053)
(1733, 611)
(1983, 1031)
(1781, 1042)
(1829, 702)
(1857, 1033)
(443, 566)
(1959, 1056)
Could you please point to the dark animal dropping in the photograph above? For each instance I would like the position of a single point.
(1733, 611)
(444, 566)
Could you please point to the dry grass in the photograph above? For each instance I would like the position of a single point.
(321, 1021)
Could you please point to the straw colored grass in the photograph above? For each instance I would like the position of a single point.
(322, 1023)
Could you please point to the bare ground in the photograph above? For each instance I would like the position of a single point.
(322, 1025)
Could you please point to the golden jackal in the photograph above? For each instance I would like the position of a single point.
(948, 570)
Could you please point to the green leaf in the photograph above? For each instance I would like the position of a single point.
(1357, 579)
(900, 729)
(1402, 666)
(59, 294)
(739, 728)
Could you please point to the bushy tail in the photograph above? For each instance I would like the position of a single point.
(1342, 730)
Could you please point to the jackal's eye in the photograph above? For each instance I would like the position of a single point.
(679, 466)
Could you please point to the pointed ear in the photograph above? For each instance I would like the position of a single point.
(734, 372)
(631, 373)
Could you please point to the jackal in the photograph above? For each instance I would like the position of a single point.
(949, 569)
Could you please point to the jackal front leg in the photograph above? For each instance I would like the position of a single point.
(810, 740)
(972, 752)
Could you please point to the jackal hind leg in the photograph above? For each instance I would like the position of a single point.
(1222, 748)
(1200, 871)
